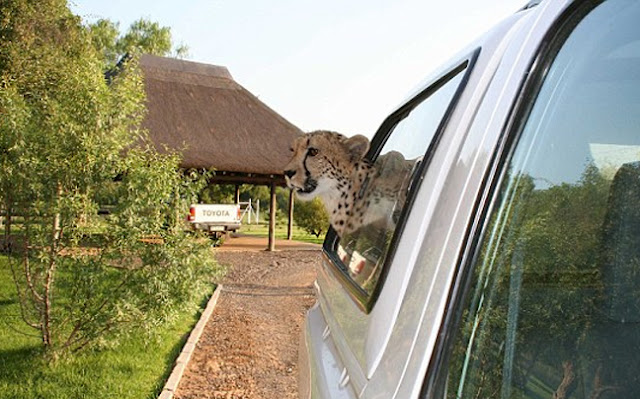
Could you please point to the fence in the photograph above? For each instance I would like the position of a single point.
(248, 210)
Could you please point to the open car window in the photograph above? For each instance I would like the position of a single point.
(398, 153)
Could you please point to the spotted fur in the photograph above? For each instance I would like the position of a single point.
(331, 166)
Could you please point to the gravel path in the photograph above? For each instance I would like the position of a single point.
(249, 348)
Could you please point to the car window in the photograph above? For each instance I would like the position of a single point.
(553, 308)
(363, 251)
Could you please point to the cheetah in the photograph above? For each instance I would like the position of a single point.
(333, 167)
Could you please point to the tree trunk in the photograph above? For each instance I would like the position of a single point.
(56, 233)
(567, 380)
(7, 219)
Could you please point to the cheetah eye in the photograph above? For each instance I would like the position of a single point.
(312, 152)
(291, 149)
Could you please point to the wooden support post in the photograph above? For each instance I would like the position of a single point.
(290, 224)
(272, 219)
(237, 196)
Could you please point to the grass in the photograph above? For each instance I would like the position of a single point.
(298, 234)
(135, 369)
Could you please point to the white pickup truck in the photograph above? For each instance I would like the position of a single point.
(215, 219)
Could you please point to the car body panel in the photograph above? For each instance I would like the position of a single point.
(385, 353)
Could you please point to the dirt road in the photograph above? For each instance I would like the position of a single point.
(249, 348)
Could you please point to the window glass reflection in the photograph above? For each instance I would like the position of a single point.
(363, 251)
(554, 308)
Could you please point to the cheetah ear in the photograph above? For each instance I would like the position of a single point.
(357, 146)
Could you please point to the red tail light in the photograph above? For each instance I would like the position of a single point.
(192, 214)
(239, 213)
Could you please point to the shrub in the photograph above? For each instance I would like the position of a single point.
(67, 141)
(311, 216)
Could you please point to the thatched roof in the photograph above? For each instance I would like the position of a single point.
(200, 109)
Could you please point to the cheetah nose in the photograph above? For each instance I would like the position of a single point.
(289, 173)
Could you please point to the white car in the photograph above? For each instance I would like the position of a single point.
(513, 267)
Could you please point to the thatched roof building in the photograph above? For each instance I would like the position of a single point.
(201, 110)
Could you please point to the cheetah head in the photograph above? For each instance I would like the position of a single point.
(322, 163)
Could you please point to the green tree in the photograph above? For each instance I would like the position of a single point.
(218, 194)
(546, 257)
(256, 193)
(142, 37)
(311, 216)
(66, 138)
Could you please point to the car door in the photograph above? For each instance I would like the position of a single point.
(365, 274)
(546, 303)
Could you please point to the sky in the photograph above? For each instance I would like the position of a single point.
(340, 65)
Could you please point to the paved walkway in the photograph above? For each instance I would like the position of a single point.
(241, 242)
